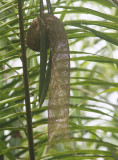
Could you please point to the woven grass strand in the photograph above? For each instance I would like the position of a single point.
(58, 109)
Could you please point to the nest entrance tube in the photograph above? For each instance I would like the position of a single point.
(59, 89)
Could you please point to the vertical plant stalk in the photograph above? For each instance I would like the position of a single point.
(43, 51)
(26, 84)
(49, 7)
(2, 157)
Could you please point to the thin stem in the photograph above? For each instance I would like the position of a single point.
(41, 8)
(49, 7)
(43, 51)
(26, 84)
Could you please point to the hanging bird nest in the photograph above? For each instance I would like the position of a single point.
(58, 107)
